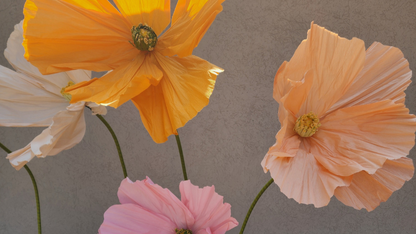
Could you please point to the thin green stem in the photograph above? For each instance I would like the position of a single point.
(37, 197)
(178, 141)
(120, 155)
(35, 186)
(254, 204)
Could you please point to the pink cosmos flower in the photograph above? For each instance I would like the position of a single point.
(148, 208)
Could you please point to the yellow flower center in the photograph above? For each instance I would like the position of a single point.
(67, 96)
(183, 231)
(144, 37)
(307, 125)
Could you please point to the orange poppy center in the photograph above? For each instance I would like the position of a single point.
(183, 231)
(307, 125)
(144, 38)
(67, 96)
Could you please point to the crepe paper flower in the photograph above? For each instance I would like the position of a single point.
(156, 71)
(30, 99)
(148, 208)
(345, 130)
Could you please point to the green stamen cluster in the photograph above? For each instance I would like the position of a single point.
(144, 38)
(67, 96)
(183, 231)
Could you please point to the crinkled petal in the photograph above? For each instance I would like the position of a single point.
(76, 34)
(66, 130)
(368, 191)
(97, 109)
(133, 219)
(190, 21)
(304, 179)
(120, 85)
(155, 13)
(363, 137)
(155, 199)
(184, 90)
(335, 62)
(385, 75)
(25, 102)
(14, 53)
(207, 207)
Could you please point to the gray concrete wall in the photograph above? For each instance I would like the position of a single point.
(225, 143)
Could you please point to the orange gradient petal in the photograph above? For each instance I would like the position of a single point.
(184, 90)
(386, 75)
(120, 85)
(336, 62)
(190, 22)
(368, 191)
(362, 138)
(155, 13)
(302, 178)
(75, 34)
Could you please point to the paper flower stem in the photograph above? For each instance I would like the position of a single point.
(254, 204)
(178, 141)
(35, 186)
(120, 155)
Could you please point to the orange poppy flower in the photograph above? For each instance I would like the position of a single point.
(156, 71)
(345, 130)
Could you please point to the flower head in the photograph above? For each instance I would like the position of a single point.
(156, 71)
(30, 99)
(148, 208)
(345, 130)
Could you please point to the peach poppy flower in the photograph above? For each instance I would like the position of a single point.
(154, 69)
(345, 130)
(148, 208)
(30, 99)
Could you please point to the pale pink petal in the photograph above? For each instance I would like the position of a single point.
(385, 75)
(155, 199)
(20, 157)
(304, 179)
(133, 219)
(207, 207)
(97, 109)
(364, 137)
(367, 191)
(25, 102)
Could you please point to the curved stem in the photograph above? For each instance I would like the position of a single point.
(37, 197)
(178, 141)
(254, 204)
(35, 186)
(120, 155)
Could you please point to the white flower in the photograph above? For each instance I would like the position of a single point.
(30, 99)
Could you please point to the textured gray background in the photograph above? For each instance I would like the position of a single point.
(225, 143)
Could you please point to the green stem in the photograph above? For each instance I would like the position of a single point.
(34, 186)
(254, 204)
(178, 141)
(120, 155)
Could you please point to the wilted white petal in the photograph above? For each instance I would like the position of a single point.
(97, 109)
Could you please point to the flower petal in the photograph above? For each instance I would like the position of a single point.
(207, 207)
(368, 191)
(190, 21)
(133, 219)
(184, 90)
(336, 62)
(120, 85)
(25, 102)
(364, 137)
(155, 13)
(156, 200)
(385, 75)
(66, 130)
(76, 34)
(304, 179)
(14, 53)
